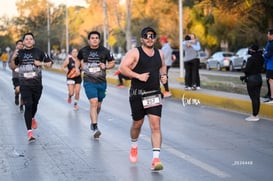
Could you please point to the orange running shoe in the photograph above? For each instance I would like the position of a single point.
(30, 136)
(156, 165)
(33, 123)
(133, 154)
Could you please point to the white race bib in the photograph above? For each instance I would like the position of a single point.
(29, 75)
(152, 101)
(94, 69)
(70, 82)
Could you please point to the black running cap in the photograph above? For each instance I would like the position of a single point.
(146, 30)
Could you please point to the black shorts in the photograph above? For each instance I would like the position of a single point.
(77, 80)
(137, 110)
(15, 82)
(269, 74)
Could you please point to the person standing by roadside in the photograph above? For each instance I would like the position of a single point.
(95, 60)
(146, 67)
(167, 52)
(30, 61)
(190, 62)
(268, 56)
(71, 66)
(197, 47)
(15, 77)
(254, 80)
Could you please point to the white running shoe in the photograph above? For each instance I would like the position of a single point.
(252, 118)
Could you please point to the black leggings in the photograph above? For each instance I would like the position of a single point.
(31, 97)
(254, 89)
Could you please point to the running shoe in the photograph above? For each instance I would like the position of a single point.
(69, 100)
(156, 165)
(21, 108)
(133, 154)
(34, 123)
(96, 133)
(252, 118)
(30, 136)
(167, 94)
(76, 107)
(269, 101)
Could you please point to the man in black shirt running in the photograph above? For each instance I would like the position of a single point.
(95, 60)
(29, 62)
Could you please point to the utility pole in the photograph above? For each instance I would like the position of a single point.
(66, 29)
(128, 25)
(105, 24)
(48, 29)
(181, 39)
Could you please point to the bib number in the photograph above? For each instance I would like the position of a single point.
(70, 82)
(29, 75)
(94, 69)
(151, 100)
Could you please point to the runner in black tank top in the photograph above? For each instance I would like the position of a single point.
(146, 67)
(73, 77)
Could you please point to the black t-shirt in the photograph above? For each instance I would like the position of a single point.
(91, 58)
(148, 64)
(29, 74)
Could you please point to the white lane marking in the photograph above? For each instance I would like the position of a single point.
(194, 161)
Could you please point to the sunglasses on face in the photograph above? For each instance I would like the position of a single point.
(147, 36)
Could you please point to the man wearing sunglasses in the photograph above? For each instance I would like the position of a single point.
(146, 67)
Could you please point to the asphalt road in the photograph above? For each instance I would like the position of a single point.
(199, 142)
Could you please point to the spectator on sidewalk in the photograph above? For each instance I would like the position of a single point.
(167, 52)
(253, 78)
(268, 56)
(190, 62)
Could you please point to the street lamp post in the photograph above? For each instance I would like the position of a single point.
(66, 29)
(48, 29)
(181, 39)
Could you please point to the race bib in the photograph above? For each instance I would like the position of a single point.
(94, 69)
(29, 75)
(151, 100)
(70, 82)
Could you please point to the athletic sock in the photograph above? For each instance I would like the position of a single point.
(156, 152)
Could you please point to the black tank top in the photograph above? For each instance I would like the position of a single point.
(148, 64)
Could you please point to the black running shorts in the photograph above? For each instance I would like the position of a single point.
(137, 110)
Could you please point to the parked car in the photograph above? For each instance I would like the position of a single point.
(203, 59)
(219, 60)
(238, 61)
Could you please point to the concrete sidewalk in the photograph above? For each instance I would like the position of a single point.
(219, 99)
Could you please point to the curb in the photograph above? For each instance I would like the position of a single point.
(206, 98)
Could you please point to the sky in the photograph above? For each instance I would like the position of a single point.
(8, 7)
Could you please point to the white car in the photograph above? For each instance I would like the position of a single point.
(219, 60)
(238, 61)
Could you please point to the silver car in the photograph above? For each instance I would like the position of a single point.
(238, 61)
(219, 60)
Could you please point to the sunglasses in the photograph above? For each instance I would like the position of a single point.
(147, 36)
